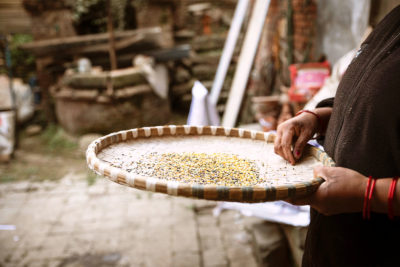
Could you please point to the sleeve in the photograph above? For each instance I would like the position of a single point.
(326, 103)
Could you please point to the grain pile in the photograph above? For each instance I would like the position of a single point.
(201, 168)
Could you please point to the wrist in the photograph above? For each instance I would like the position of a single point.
(369, 191)
(325, 115)
(313, 116)
(380, 201)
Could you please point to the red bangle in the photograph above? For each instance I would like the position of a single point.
(313, 113)
(392, 189)
(371, 191)
(365, 206)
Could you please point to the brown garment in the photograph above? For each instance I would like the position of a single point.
(364, 135)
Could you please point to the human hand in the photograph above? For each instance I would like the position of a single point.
(295, 131)
(342, 192)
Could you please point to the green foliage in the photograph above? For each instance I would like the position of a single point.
(16, 53)
(22, 62)
(91, 177)
(19, 174)
(56, 140)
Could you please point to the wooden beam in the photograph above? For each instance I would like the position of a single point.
(111, 40)
(71, 45)
(245, 62)
(117, 78)
(229, 47)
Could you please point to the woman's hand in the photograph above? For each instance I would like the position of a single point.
(296, 131)
(342, 192)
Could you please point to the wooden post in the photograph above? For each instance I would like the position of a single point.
(110, 29)
(245, 62)
(229, 48)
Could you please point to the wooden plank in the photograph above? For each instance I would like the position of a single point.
(111, 41)
(117, 78)
(68, 44)
(227, 53)
(245, 62)
(160, 55)
(104, 47)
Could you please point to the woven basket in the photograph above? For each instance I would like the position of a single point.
(210, 192)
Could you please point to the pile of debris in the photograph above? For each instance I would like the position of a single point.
(201, 65)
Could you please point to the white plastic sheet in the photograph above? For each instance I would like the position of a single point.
(278, 211)
(202, 111)
(7, 129)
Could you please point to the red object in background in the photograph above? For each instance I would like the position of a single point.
(206, 21)
(307, 79)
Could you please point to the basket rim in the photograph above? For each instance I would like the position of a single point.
(257, 193)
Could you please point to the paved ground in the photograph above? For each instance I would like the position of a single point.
(70, 223)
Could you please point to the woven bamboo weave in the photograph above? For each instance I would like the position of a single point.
(255, 193)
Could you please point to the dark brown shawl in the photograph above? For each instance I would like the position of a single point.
(364, 135)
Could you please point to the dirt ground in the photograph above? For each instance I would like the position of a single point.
(44, 157)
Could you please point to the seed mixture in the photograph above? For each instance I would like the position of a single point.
(201, 168)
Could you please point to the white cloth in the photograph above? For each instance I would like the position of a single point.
(7, 133)
(278, 211)
(202, 111)
(156, 74)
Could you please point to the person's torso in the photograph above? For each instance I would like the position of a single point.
(364, 130)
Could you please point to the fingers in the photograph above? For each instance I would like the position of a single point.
(278, 145)
(300, 144)
(286, 142)
(283, 144)
(292, 132)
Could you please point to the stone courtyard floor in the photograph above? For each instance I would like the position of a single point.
(71, 223)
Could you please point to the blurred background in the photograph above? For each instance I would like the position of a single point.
(74, 70)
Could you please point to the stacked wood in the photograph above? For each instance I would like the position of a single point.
(142, 39)
(202, 66)
(103, 86)
(103, 80)
(205, 28)
(13, 17)
(96, 95)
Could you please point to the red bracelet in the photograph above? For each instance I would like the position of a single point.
(310, 112)
(365, 206)
(392, 189)
(371, 191)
